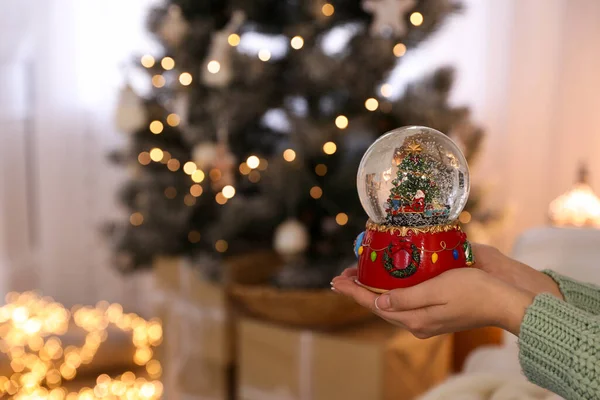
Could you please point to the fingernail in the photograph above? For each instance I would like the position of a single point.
(331, 283)
(383, 302)
(334, 289)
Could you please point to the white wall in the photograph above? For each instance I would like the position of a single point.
(529, 71)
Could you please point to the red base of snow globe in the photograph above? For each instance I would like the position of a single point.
(391, 257)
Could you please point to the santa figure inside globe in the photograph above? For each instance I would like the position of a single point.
(413, 183)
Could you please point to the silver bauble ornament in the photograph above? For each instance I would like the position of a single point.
(291, 238)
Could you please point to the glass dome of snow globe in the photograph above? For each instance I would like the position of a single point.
(413, 176)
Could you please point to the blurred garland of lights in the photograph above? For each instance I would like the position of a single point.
(30, 326)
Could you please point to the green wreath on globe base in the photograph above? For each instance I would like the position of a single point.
(410, 269)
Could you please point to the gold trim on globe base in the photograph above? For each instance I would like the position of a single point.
(372, 289)
(406, 230)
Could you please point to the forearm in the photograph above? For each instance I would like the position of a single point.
(582, 295)
(560, 348)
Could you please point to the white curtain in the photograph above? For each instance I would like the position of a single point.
(62, 65)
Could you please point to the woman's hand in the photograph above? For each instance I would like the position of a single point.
(513, 272)
(456, 300)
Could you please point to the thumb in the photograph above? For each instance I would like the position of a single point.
(411, 298)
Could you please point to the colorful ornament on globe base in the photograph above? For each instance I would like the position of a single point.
(413, 183)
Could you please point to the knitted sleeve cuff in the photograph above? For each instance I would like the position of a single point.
(559, 348)
(583, 295)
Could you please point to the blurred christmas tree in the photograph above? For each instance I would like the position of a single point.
(260, 113)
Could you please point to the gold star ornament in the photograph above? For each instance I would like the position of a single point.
(414, 148)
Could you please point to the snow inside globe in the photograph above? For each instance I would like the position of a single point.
(413, 177)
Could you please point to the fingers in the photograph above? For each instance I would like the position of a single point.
(415, 321)
(348, 287)
(423, 295)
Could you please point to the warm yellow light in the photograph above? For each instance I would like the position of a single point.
(341, 219)
(147, 390)
(371, 104)
(189, 167)
(233, 39)
(253, 162)
(213, 66)
(327, 9)
(297, 42)
(17, 365)
(416, 18)
(168, 63)
(153, 367)
(144, 158)
(173, 164)
(198, 176)
(193, 237)
(341, 121)
(189, 200)
(118, 388)
(102, 379)
(254, 176)
(142, 355)
(221, 246)
(100, 391)
(464, 217)
(147, 61)
(173, 119)
(579, 207)
(156, 154)
(35, 343)
(264, 55)
(228, 191)
(156, 127)
(11, 387)
(329, 148)
(20, 315)
(57, 394)
(158, 81)
(128, 377)
(316, 192)
(244, 169)
(67, 371)
(220, 199)
(399, 49)
(289, 155)
(159, 388)
(321, 169)
(166, 157)
(185, 78)
(32, 326)
(386, 90)
(196, 190)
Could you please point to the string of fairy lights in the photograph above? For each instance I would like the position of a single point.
(31, 328)
(253, 165)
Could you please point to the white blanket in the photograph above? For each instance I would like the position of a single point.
(488, 387)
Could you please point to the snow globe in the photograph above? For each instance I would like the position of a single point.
(413, 183)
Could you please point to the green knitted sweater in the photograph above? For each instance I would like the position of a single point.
(559, 341)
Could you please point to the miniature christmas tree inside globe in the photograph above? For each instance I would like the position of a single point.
(413, 176)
